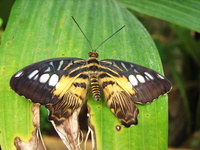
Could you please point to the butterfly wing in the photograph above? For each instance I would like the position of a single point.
(119, 101)
(54, 82)
(126, 83)
(72, 99)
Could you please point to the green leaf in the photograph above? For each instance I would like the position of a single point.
(39, 30)
(183, 13)
(1, 22)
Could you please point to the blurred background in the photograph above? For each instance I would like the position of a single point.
(179, 50)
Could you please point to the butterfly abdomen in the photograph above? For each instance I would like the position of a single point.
(94, 84)
(93, 70)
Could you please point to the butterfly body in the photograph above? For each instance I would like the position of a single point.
(61, 84)
(93, 72)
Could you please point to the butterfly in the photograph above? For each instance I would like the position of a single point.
(61, 84)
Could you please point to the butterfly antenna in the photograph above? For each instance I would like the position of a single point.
(82, 32)
(109, 37)
(101, 42)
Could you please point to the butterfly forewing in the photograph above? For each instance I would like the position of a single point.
(41, 82)
(145, 84)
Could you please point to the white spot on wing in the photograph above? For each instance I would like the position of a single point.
(133, 80)
(113, 63)
(32, 74)
(135, 71)
(53, 80)
(58, 84)
(19, 74)
(60, 64)
(132, 66)
(148, 75)
(140, 78)
(88, 115)
(44, 78)
(48, 69)
(130, 84)
(51, 63)
(159, 76)
(123, 65)
(35, 78)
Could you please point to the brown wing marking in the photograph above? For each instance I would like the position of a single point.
(119, 100)
(73, 97)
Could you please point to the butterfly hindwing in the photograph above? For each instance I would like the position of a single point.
(43, 82)
(119, 101)
(72, 99)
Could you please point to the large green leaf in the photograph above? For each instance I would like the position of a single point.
(39, 30)
(183, 13)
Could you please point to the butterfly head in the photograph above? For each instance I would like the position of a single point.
(93, 54)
